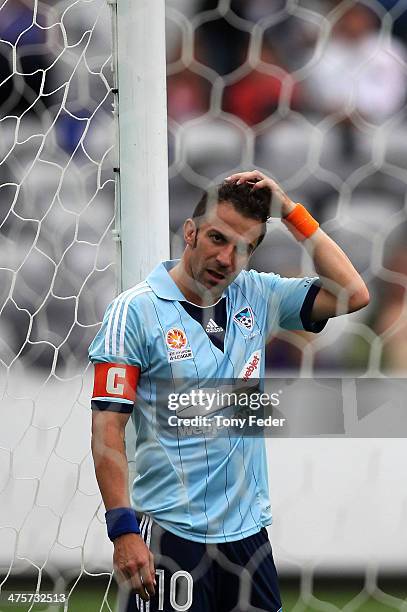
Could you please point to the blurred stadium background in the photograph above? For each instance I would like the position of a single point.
(311, 91)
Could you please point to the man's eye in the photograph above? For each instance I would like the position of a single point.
(217, 238)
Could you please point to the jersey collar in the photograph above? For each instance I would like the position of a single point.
(162, 283)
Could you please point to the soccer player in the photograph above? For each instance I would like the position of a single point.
(193, 536)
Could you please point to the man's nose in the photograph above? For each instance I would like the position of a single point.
(225, 257)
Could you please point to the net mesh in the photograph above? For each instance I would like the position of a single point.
(249, 85)
(58, 273)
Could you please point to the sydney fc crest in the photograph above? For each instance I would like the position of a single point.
(245, 318)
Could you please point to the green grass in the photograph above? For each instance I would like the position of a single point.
(339, 593)
(339, 599)
(88, 596)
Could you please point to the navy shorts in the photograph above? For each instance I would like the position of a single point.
(239, 576)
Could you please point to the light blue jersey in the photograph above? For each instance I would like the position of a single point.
(203, 488)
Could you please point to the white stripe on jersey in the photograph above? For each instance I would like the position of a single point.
(116, 307)
(114, 330)
(124, 317)
(111, 334)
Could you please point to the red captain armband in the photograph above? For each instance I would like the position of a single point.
(115, 380)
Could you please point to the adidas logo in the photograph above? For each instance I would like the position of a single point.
(212, 327)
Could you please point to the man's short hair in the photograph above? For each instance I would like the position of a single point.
(249, 203)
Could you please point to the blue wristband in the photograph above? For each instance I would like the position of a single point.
(120, 521)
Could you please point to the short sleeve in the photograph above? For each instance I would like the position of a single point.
(121, 338)
(290, 301)
(117, 352)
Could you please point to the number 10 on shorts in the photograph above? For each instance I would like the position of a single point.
(181, 590)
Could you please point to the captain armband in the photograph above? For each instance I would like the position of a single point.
(116, 381)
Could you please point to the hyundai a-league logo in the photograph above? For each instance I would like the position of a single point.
(177, 345)
(176, 339)
(245, 318)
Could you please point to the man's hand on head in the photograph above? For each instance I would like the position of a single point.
(281, 204)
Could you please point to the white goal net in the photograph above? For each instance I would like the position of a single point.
(310, 91)
(58, 273)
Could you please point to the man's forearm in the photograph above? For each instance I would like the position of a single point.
(132, 560)
(109, 456)
(337, 274)
(343, 289)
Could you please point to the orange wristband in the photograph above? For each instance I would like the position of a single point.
(300, 223)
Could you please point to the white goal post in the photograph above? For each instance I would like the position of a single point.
(142, 197)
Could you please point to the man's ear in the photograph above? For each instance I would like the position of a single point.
(190, 232)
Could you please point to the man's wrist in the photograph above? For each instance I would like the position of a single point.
(121, 521)
(300, 222)
(287, 208)
(125, 537)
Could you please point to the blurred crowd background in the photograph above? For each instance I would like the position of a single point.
(313, 93)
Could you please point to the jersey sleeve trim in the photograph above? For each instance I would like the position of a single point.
(102, 358)
(113, 400)
(306, 310)
(102, 405)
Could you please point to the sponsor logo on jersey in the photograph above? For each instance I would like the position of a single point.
(177, 345)
(115, 380)
(213, 328)
(251, 368)
(245, 318)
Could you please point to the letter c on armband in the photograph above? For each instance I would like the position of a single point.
(115, 380)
